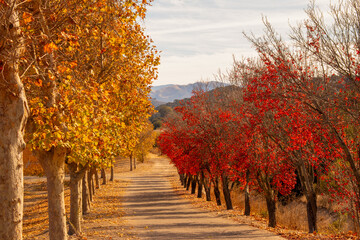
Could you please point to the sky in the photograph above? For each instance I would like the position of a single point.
(197, 38)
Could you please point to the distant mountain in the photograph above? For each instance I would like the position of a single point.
(157, 103)
(170, 92)
(166, 109)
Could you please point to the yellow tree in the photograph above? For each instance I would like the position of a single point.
(88, 65)
(146, 141)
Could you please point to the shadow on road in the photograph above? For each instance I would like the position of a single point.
(157, 212)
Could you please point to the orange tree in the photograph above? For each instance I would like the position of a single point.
(146, 141)
(118, 71)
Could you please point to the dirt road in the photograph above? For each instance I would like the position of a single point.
(155, 211)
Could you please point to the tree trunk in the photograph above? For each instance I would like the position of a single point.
(92, 172)
(97, 183)
(92, 184)
(53, 162)
(271, 207)
(208, 193)
(185, 180)
(181, 176)
(193, 185)
(89, 177)
(217, 192)
(247, 194)
(188, 182)
(200, 187)
(134, 162)
(131, 166)
(13, 116)
(226, 192)
(85, 195)
(207, 186)
(311, 208)
(75, 198)
(103, 174)
(112, 171)
(306, 176)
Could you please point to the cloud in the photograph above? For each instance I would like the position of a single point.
(197, 37)
(194, 68)
(202, 28)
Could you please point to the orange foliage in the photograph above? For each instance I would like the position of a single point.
(32, 166)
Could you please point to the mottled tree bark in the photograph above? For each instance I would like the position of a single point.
(85, 195)
(93, 184)
(207, 186)
(13, 116)
(89, 181)
(112, 171)
(93, 176)
(76, 175)
(92, 172)
(53, 163)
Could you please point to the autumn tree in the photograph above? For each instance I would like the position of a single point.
(44, 84)
(297, 110)
(289, 86)
(146, 141)
(88, 68)
(207, 141)
(335, 46)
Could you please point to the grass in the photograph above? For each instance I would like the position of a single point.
(291, 219)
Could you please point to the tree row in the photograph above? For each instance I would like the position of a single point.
(290, 116)
(74, 85)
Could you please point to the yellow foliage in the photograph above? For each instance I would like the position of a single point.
(91, 90)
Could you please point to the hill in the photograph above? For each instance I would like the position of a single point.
(170, 92)
(166, 109)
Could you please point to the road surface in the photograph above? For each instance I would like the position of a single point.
(156, 211)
